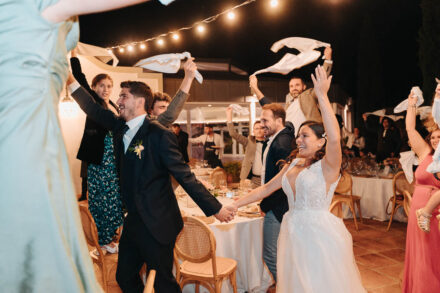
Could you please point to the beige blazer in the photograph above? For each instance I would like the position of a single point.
(249, 155)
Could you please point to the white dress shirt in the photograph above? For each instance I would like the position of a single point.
(295, 115)
(263, 168)
(133, 125)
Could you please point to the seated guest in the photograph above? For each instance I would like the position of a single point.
(252, 162)
(212, 146)
(356, 142)
(182, 140)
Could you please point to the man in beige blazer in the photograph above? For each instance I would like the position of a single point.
(252, 162)
(301, 103)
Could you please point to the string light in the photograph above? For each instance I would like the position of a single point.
(198, 25)
(142, 46)
(274, 3)
(176, 36)
(201, 28)
(130, 48)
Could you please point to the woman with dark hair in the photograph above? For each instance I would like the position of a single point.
(96, 152)
(315, 247)
(422, 266)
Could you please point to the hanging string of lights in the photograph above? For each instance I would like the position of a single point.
(199, 26)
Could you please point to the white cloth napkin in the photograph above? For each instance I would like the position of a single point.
(408, 160)
(165, 2)
(98, 52)
(403, 106)
(434, 167)
(239, 109)
(382, 113)
(167, 63)
(290, 61)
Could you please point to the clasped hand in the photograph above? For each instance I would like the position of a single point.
(226, 213)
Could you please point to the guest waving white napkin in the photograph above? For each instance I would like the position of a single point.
(290, 61)
(403, 106)
(100, 53)
(167, 63)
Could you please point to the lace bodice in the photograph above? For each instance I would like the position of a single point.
(310, 189)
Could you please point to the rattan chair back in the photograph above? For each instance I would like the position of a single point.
(400, 183)
(196, 242)
(218, 176)
(345, 184)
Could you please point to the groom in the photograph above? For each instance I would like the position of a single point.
(146, 154)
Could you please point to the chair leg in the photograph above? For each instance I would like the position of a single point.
(233, 280)
(197, 285)
(358, 204)
(218, 286)
(393, 210)
(351, 205)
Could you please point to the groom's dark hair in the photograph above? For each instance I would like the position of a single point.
(141, 90)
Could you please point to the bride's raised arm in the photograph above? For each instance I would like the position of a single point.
(333, 153)
(64, 9)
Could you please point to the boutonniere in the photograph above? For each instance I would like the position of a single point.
(137, 149)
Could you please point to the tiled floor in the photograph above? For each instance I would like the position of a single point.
(379, 254)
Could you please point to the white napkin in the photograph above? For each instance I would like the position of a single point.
(165, 2)
(98, 52)
(167, 63)
(403, 106)
(407, 160)
(434, 167)
(290, 61)
(382, 113)
(239, 109)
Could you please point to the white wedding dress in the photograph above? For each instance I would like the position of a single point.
(315, 250)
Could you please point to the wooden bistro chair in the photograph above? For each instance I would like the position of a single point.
(107, 263)
(400, 184)
(343, 195)
(218, 175)
(195, 247)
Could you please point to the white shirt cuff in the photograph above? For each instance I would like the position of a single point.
(74, 86)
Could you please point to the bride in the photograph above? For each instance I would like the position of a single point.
(315, 250)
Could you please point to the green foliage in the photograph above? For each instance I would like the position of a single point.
(233, 168)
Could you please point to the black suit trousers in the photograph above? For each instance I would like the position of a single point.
(136, 247)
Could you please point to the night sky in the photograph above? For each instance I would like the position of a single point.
(383, 33)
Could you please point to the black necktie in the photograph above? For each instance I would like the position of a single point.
(125, 129)
(264, 148)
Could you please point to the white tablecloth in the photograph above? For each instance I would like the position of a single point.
(375, 193)
(242, 240)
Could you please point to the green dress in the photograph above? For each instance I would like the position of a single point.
(42, 246)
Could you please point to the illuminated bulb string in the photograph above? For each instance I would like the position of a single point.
(174, 33)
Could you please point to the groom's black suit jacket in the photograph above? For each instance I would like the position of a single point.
(280, 149)
(145, 181)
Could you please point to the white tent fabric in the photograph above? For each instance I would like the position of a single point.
(290, 61)
(166, 63)
(100, 53)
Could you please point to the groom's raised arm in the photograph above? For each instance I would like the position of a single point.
(104, 117)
